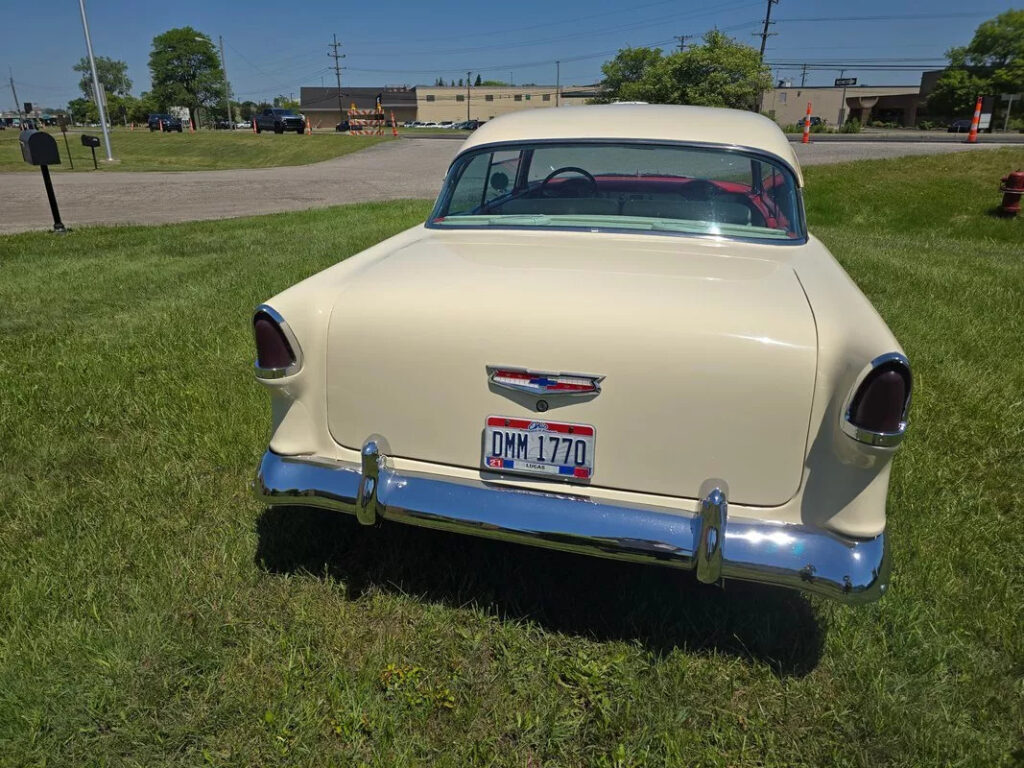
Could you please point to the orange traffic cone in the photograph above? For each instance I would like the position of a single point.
(807, 126)
(394, 125)
(972, 137)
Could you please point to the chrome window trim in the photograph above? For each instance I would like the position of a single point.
(448, 187)
(867, 436)
(277, 373)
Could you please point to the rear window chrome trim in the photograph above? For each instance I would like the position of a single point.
(447, 188)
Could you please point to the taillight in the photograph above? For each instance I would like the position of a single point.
(276, 352)
(876, 413)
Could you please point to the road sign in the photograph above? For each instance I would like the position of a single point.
(842, 82)
(28, 107)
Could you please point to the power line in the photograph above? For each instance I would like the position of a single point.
(891, 17)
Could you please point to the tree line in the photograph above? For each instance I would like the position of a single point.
(186, 71)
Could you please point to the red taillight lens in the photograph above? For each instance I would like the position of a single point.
(880, 404)
(272, 347)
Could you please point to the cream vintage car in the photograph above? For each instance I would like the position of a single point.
(614, 336)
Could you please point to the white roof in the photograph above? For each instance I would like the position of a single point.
(665, 122)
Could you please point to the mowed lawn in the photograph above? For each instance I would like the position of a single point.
(152, 613)
(142, 150)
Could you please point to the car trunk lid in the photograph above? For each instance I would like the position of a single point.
(707, 349)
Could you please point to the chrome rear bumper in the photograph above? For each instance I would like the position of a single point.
(795, 556)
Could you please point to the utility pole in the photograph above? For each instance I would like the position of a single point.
(337, 73)
(96, 83)
(558, 82)
(468, 73)
(227, 85)
(803, 75)
(17, 104)
(682, 41)
(767, 21)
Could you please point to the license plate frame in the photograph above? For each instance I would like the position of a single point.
(523, 447)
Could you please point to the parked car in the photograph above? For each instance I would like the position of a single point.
(468, 125)
(279, 120)
(342, 126)
(224, 125)
(243, 124)
(164, 122)
(960, 125)
(613, 335)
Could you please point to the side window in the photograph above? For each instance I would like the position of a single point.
(469, 190)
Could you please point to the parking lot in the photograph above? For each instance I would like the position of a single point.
(409, 168)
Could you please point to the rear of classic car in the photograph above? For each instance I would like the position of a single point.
(628, 388)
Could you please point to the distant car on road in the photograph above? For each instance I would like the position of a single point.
(224, 125)
(243, 124)
(342, 126)
(164, 122)
(279, 120)
(960, 125)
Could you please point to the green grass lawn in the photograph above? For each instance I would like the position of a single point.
(152, 613)
(142, 150)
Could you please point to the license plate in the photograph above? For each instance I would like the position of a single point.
(537, 447)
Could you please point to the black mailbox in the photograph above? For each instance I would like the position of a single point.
(90, 141)
(39, 148)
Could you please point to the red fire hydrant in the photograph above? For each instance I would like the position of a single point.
(1012, 188)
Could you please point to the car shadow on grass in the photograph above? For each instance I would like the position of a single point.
(661, 608)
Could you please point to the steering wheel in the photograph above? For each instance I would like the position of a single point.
(588, 179)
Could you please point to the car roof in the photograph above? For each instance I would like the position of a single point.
(644, 122)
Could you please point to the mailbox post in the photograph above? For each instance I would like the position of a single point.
(40, 148)
(91, 142)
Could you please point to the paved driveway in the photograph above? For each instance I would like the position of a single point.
(410, 168)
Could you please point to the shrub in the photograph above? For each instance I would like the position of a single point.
(927, 125)
(851, 126)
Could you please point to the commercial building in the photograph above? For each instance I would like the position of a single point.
(436, 103)
(891, 103)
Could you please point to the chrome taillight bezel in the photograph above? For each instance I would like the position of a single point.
(867, 436)
(293, 343)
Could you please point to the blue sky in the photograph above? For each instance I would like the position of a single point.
(276, 46)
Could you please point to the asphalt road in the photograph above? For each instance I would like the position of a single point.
(411, 168)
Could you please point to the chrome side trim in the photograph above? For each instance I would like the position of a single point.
(278, 373)
(867, 436)
(795, 556)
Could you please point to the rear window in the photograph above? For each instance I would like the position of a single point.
(633, 186)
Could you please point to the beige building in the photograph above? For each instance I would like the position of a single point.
(892, 103)
(435, 104)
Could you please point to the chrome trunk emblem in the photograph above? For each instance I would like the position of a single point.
(544, 382)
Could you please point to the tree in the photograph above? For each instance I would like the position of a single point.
(992, 63)
(83, 111)
(185, 70)
(112, 74)
(493, 83)
(284, 102)
(477, 80)
(721, 72)
(460, 82)
(626, 77)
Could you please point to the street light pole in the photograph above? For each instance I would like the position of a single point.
(96, 83)
(227, 85)
(558, 81)
(467, 94)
